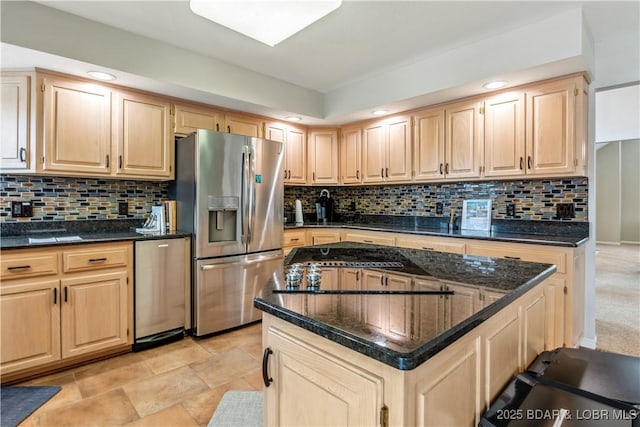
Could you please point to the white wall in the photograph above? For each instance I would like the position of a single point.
(618, 114)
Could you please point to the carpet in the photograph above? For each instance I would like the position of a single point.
(238, 409)
(17, 403)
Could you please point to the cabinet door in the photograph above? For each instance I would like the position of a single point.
(504, 153)
(144, 136)
(77, 127)
(16, 134)
(243, 125)
(94, 312)
(30, 327)
(430, 320)
(308, 380)
(463, 140)
(189, 118)
(325, 304)
(351, 155)
(428, 153)
(550, 131)
(323, 156)
(350, 305)
(398, 149)
(296, 155)
(320, 237)
(374, 138)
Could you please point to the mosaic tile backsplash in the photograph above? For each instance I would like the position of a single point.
(533, 200)
(64, 199)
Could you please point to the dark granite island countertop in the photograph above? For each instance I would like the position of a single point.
(505, 279)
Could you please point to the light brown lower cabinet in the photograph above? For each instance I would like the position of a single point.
(315, 381)
(61, 306)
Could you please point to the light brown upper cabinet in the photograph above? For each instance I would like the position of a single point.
(190, 117)
(144, 136)
(76, 129)
(351, 155)
(555, 135)
(448, 141)
(242, 124)
(504, 148)
(89, 129)
(323, 156)
(386, 150)
(17, 126)
(295, 152)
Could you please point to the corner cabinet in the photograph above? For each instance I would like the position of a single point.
(96, 130)
(144, 136)
(64, 305)
(17, 125)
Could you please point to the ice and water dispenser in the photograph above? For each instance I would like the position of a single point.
(223, 218)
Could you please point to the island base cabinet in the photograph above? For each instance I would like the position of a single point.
(316, 381)
(312, 387)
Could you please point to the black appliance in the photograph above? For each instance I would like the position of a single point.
(324, 207)
(571, 387)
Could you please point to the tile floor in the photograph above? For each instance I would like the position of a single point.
(178, 384)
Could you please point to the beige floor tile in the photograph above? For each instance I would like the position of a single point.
(162, 391)
(202, 406)
(107, 365)
(108, 409)
(90, 385)
(255, 379)
(225, 367)
(243, 338)
(174, 416)
(173, 358)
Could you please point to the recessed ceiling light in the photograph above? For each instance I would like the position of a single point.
(379, 112)
(494, 85)
(269, 22)
(293, 118)
(101, 75)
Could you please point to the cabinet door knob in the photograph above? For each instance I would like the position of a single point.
(265, 367)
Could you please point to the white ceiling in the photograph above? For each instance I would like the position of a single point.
(361, 40)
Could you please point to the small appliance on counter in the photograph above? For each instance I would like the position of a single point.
(324, 207)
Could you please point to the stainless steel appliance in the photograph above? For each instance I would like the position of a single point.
(161, 282)
(229, 191)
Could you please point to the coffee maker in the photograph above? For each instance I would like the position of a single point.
(324, 207)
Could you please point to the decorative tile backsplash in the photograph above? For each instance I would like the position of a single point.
(534, 199)
(64, 199)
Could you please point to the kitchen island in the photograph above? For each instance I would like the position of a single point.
(429, 338)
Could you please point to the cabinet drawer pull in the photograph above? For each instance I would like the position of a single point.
(19, 268)
(368, 241)
(386, 281)
(23, 154)
(512, 257)
(358, 275)
(96, 260)
(295, 240)
(427, 249)
(521, 162)
(55, 296)
(265, 367)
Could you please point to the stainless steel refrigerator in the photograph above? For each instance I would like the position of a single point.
(229, 192)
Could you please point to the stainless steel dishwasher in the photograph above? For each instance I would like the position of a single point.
(162, 291)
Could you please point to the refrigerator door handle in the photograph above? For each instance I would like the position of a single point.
(243, 262)
(252, 196)
(243, 217)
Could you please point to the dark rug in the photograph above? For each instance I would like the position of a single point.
(17, 403)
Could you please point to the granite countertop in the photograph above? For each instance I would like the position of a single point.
(554, 233)
(509, 277)
(56, 233)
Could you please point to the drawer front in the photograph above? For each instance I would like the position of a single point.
(546, 256)
(369, 238)
(294, 238)
(94, 259)
(17, 266)
(430, 244)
